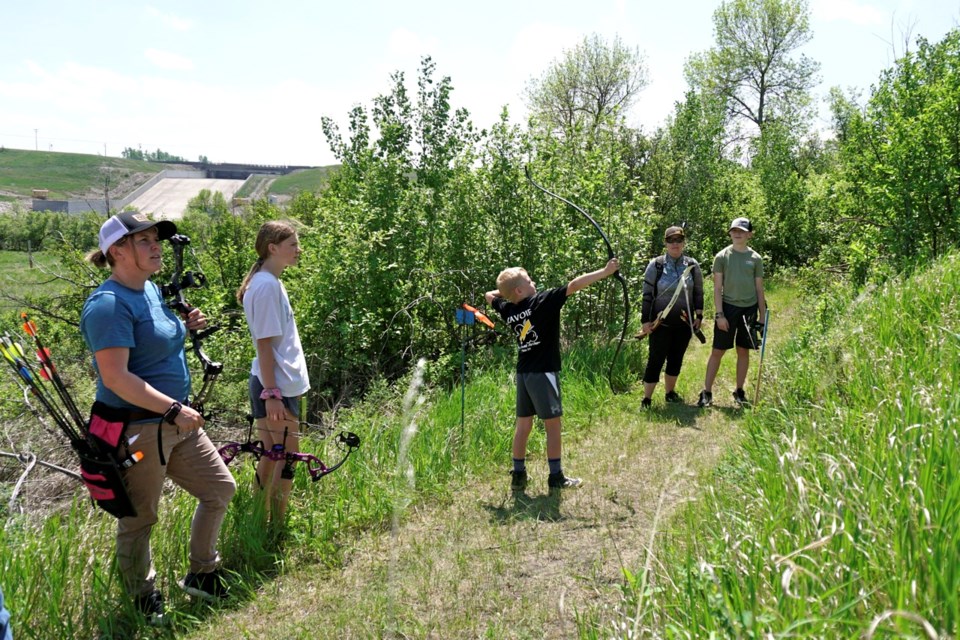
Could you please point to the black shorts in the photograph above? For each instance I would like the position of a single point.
(740, 319)
(539, 393)
(258, 407)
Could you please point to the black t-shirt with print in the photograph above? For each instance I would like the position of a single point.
(535, 321)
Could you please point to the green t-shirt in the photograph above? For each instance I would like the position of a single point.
(740, 270)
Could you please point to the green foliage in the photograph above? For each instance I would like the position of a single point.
(691, 181)
(591, 85)
(751, 67)
(897, 184)
(843, 503)
(38, 230)
(153, 156)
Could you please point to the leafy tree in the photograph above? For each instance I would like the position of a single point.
(132, 154)
(899, 176)
(589, 85)
(753, 66)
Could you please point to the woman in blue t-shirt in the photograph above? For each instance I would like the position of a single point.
(138, 347)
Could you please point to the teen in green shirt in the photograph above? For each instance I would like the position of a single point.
(738, 298)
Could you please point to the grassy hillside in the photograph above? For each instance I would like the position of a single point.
(302, 180)
(840, 514)
(70, 174)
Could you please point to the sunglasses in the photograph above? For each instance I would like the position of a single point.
(674, 240)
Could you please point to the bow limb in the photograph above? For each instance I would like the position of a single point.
(610, 255)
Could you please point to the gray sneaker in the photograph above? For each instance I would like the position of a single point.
(560, 481)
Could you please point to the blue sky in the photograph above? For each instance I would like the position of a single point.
(246, 81)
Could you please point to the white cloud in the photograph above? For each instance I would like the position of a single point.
(859, 13)
(168, 19)
(168, 60)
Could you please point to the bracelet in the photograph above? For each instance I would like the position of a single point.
(170, 417)
(267, 394)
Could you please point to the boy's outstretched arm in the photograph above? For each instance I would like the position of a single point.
(490, 295)
(594, 276)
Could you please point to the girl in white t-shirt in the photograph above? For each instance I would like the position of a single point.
(278, 376)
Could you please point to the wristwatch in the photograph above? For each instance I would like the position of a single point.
(170, 417)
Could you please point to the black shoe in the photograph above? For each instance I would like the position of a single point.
(673, 396)
(646, 403)
(518, 480)
(740, 397)
(560, 481)
(706, 399)
(151, 606)
(209, 586)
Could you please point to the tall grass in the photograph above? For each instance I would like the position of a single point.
(839, 516)
(59, 580)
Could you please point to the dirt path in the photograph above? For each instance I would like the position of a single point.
(493, 564)
(488, 563)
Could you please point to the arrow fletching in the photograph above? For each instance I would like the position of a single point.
(479, 315)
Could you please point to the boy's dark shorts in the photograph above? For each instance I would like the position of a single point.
(258, 407)
(739, 331)
(539, 393)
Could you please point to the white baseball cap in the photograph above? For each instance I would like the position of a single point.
(741, 223)
(127, 223)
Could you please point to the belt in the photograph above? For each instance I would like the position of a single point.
(137, 416)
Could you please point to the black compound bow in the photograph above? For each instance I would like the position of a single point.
(179, 281)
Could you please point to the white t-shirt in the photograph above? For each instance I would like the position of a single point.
(269, 315)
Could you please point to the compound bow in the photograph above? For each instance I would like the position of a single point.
(179, 281)
(345, 441)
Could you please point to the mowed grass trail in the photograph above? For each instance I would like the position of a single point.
(480, 561)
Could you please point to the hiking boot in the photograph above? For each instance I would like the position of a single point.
(209, 586)
(518, 480)
(151, 606)
(646, 403)
(560, 481)
(673, 396)
(706, 399)
(740, 397)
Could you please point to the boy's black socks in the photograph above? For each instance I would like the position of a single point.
(555, 466)
(520, 465)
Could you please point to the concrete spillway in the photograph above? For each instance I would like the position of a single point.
(169, 197)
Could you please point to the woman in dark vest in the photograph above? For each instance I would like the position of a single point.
(672, 310)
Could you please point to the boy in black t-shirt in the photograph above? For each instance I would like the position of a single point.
(534, 318)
